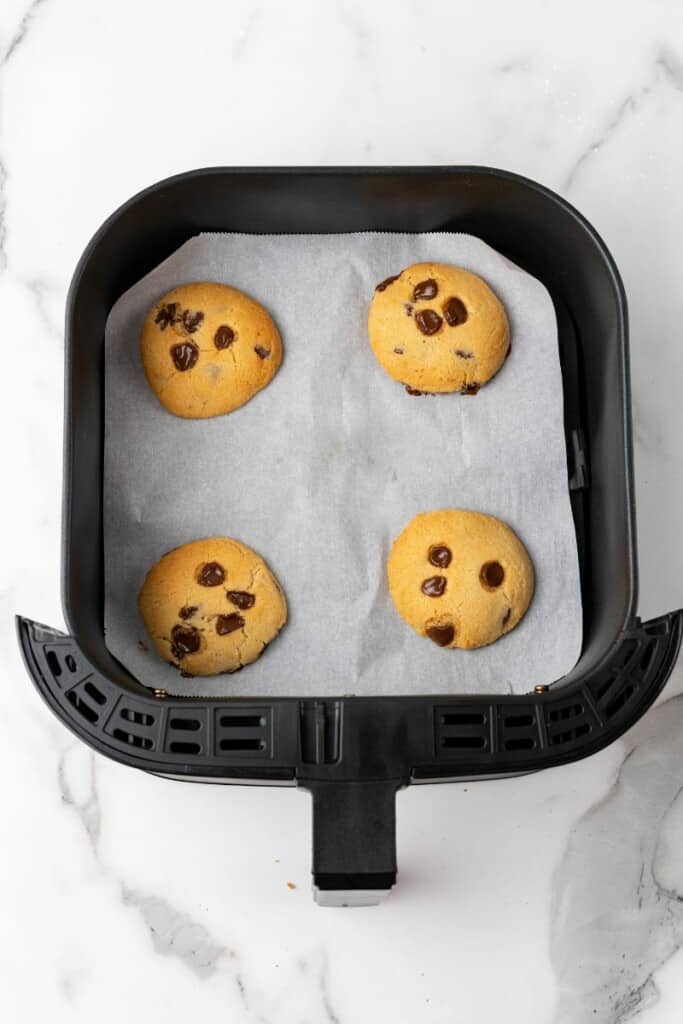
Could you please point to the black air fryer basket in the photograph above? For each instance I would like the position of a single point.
(354, 753)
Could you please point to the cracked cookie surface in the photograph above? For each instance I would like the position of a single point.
(211, 606)
(460, 578)
(207, 348)
(438, 328)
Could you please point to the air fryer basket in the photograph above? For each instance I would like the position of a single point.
(354, 753)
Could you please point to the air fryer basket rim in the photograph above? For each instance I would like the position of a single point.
(354, 753)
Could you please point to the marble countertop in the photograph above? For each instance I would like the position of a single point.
(553, 898)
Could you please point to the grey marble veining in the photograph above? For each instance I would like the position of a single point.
(617, 909)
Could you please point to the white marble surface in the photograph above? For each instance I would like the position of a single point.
(555, 898)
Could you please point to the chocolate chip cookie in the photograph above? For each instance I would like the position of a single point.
(438, 328)
(207, 349)
(460, 578)
(211, 606)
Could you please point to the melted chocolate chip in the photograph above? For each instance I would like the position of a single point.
(224, 337)
(188, 611)
(241, 598)
(186, 640)
(492, 575)
(228, 623)
(261, 352)
(428, 321)
(435, 586)
(184, 355)
(441, 635)
(413, 391)
(192, 320)
(440, 555)
(398, 351)
(186, 675)
(211, 574)
(425, 290)
(386, 282)
(166, 315)
(506, 617)
(408, 308)
(454, 312)
(461, 353)
(470, 389)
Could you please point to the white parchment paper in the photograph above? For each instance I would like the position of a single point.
(322, 469)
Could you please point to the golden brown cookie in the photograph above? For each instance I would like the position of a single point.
(207, 349)
(461, 578)
(211, 606)
(438, 328)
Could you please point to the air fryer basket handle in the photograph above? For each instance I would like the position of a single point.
(352, 754)
(354, 841)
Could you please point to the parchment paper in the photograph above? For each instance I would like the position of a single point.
(322, 469)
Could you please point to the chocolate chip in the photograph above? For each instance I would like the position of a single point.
(435, 586)
(386, 282)
(470, 389)
(413, 391)
(398, 351)
(425, 290)
(186, 640)
(186, 675)
(241, 598)
(184, 355)
(440, 555)
(192, 320)
(428, 321)
(228, 623)
(224, 337)
(261, 352)
(462, 354)
(408, 308)
(492, 575)
(506, 617)
(166, 315)
(188, 611)
(455, 312)
(441, 635)
(211, 574)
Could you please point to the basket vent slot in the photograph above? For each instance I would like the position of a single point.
(518, 729)
(568, 711)
(82, 707)
(244, 732)
(184, 747)
(137, 717)
(520, 743)
(464, 718)
(567, 722)
(463, 742)
(70, 663)
(133, 739)
(242, 744)
(518, 721)
(54, 665)
(93, 692)
(619, 700)
(242, 721)
(184, 724)
(462, 730)
(569, 735)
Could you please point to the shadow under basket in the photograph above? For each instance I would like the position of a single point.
(354, 753)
